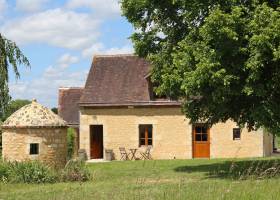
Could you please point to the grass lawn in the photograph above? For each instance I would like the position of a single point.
(164, 179)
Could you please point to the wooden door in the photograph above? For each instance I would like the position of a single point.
(201, 141)
(96, 141)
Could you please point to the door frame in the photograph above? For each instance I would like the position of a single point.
(91, 132)
(193, 141)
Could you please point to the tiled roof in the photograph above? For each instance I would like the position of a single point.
(68, 108)
(33, 115)
(117, 79)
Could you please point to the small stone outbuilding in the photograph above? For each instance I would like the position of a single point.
(35, 133)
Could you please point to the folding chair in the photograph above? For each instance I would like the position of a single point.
(146, 155)
(124, 154)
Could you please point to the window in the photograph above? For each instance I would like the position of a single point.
(236, 134)
(34, 149)
(201, 133)
(145, 135)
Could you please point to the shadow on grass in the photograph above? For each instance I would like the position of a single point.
(241, 170)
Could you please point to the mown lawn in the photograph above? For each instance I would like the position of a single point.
(169, 179)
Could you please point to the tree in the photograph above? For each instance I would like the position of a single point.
(10, 55)
(221, 58)
(54, 109)
(13, 106)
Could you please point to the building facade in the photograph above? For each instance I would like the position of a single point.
(117, 108)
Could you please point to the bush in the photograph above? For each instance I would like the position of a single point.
(37, 172)
(1, 137)
(70, 143)
(4, 168)
(75, 170)
(29, 172)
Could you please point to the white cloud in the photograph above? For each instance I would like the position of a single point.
(45, 87)
(65, 60)
(30, 5)
(99, 48)
(55, 27)
(108, 8)
(3, 7)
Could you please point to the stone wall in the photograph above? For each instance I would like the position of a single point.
(172, 133)
(52, 145)
(120, 129)
(223, 145)
(268, 143)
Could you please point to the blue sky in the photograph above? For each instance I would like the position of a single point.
(60, 37)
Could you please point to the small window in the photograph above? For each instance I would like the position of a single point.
(201, 133)
(145, 135)
(236, 134)
(34, 149)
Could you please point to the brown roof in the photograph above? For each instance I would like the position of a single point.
(119, 80)
(68, 107)
(116, 79)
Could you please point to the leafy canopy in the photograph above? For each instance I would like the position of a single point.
(10, 55)
(220, 57)
(13, 106)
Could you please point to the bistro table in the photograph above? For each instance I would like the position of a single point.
(133, 152)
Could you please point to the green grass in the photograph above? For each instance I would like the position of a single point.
(145, 180)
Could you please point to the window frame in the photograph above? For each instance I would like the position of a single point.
(234, 134)
(34, 149)
(202, 133)
(146, 137)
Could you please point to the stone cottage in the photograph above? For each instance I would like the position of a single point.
(35, 133)
(117, 108)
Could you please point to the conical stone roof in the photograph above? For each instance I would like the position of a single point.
(34, 115)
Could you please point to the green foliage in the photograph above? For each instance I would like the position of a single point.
(70, 143)
(26, 172)
(54, 110)
(37, 172)
(10, 55)
(221, 58)
(75, 170)
(4, 168)
(1, 138)
(13, 106)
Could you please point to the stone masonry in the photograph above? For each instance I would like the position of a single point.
(52, 145)
(35, 124)
(172, 133)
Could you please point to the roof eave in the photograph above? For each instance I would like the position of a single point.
(133, 104)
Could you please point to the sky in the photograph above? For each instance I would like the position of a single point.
(60, 38)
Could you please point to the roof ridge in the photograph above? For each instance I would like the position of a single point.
(68, 88)
(114, 55)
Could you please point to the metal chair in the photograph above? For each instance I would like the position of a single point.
(124, 154)
(146, 155)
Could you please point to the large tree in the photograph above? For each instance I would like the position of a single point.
(13, 106)
(220, 57)
(10, 56)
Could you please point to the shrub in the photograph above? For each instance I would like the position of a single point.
(75, 170)
(1, 137)
(3, 171)
(70, 143)
(27, 172)
(37, 172)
